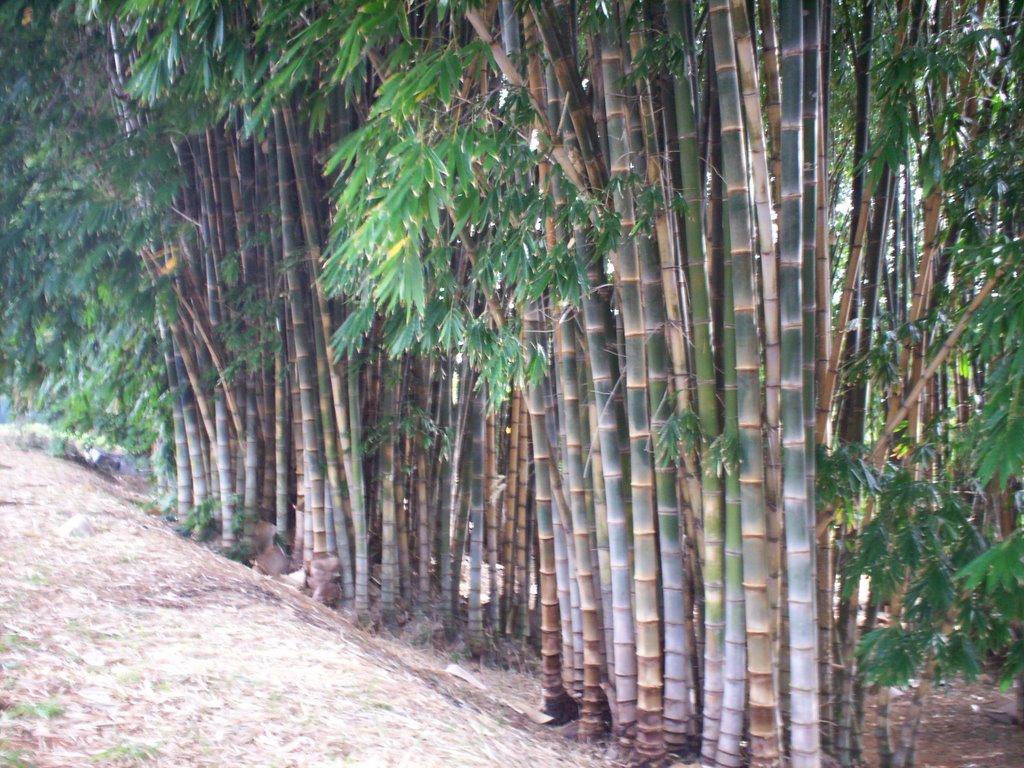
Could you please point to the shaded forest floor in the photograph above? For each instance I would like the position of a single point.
(133, 646)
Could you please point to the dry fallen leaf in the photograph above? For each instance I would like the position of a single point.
(456, 671)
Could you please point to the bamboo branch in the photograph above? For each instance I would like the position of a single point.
(908, 402)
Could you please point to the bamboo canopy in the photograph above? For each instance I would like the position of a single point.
(647, 335)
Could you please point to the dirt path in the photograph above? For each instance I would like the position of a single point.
(133, 646)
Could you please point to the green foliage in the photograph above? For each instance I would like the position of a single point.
(47, 710)
(13, 758)
(199, 522)
(996, 578)
(844, 477)
(76, 313)
(960, 594)
(128, 751)
(680, 432)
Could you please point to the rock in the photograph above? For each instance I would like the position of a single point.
(272, 562)
(324, 569)
(78, 527)
(263, 538)
(297, 579)
(270, 558)
(323, 579)
(437, 636)
(327, 593)
(1005, 715)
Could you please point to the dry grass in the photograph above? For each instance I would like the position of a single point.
(136, 647)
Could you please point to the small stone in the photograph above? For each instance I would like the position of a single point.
(78, 527)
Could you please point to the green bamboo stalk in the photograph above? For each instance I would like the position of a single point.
(356, 490)
(339, 527)
(800, 539)
(193, 434)
(563, 566)
(659, 289)
(388, 532)
(731, 731)
(478, 434)
(281, 434)
(303, 351)
(423, 510)
(590, 724)
(183, 472)
(680, 22)
(743, 403)
(650, 735)
(250, 497)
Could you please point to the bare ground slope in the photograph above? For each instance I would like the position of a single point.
(133, 646)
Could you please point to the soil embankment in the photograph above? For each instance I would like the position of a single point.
(132, 646)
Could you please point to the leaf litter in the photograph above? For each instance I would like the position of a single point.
(133, 646)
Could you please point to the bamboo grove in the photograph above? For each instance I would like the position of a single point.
(679, 339)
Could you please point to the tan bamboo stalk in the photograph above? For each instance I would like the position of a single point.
(331, 397)
(765, 239)
(557, 702)
(773, 97)
(650, 742)
(653, 253)
(622, 661)
(492, 513)
(746, 413)
(510, 508)
(402, 520)
(299, 554)
(522, 524)
(917, 386)
(424, 517)
(563, 569)
(193, 433)
(591, 720)
(303, 350)
(184, 347)
(339, 526)
(356, 491)
(604, 564)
